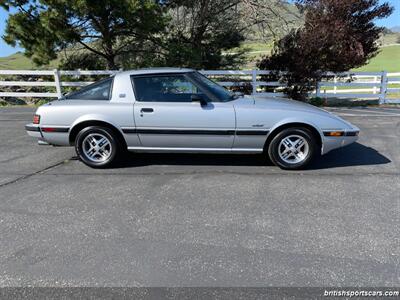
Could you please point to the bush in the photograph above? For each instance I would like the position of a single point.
(41, 102)
(316, 101)
(337, 36)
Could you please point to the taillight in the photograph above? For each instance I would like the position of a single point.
(36, 119)
(48, 129)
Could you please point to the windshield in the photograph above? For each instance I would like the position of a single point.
(218, 91)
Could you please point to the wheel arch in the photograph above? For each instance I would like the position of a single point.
(294, 124)
(78, 126)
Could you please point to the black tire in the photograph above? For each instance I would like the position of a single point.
(113, 149)
(274, 148)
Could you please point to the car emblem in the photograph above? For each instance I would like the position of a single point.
(258, 125)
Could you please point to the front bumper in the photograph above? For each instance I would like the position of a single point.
(333, 142)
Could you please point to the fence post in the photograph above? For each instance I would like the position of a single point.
(335, 87)
(383, 91)
(57, 82)
(375, 81)
(318, 90)
(254, 81)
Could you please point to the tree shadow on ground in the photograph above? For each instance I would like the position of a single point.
(352, 155)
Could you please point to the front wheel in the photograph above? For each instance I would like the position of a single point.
(97, 147)
(292, 148)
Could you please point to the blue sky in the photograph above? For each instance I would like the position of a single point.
(394, 18)
(5, 50)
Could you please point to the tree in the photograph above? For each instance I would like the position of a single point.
(206, 34)
(200, 34)
(106, 28)
(269, 19)
(337, 36)
(142, 33)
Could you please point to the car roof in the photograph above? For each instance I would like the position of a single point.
(156, 71)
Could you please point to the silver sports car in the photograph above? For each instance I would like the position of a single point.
(180, 110)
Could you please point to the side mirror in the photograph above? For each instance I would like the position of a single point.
(199, 98)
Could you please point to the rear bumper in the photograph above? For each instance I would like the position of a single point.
(54, 135)
(32, 127)
(34, 131)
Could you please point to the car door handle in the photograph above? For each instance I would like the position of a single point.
(147, 110)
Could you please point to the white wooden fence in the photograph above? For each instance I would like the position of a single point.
(364, 85)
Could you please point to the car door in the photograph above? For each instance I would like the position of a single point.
(167, 117)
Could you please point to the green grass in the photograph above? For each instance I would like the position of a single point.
(257, 47)
(387, 60)
(18, 61)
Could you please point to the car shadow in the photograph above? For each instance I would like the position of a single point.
(353, 155)
(147, 159)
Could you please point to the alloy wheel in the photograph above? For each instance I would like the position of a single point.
(293, 149)
(97, 147)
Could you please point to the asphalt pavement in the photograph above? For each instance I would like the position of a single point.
(201, 220)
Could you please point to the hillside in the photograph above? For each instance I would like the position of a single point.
(18, 61)
(395, 29)
(388, 59)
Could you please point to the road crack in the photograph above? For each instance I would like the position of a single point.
(42, 171)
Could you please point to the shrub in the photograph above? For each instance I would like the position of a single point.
(316, 101)
(337, 36)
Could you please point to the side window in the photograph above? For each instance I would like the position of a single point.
(97, 91)
(168, 88)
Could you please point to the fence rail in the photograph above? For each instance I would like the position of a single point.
(365, 85)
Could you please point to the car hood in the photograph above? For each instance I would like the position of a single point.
(283, 104)
(280, 103)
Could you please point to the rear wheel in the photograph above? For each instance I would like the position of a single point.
(97, 147)
(292, 148)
